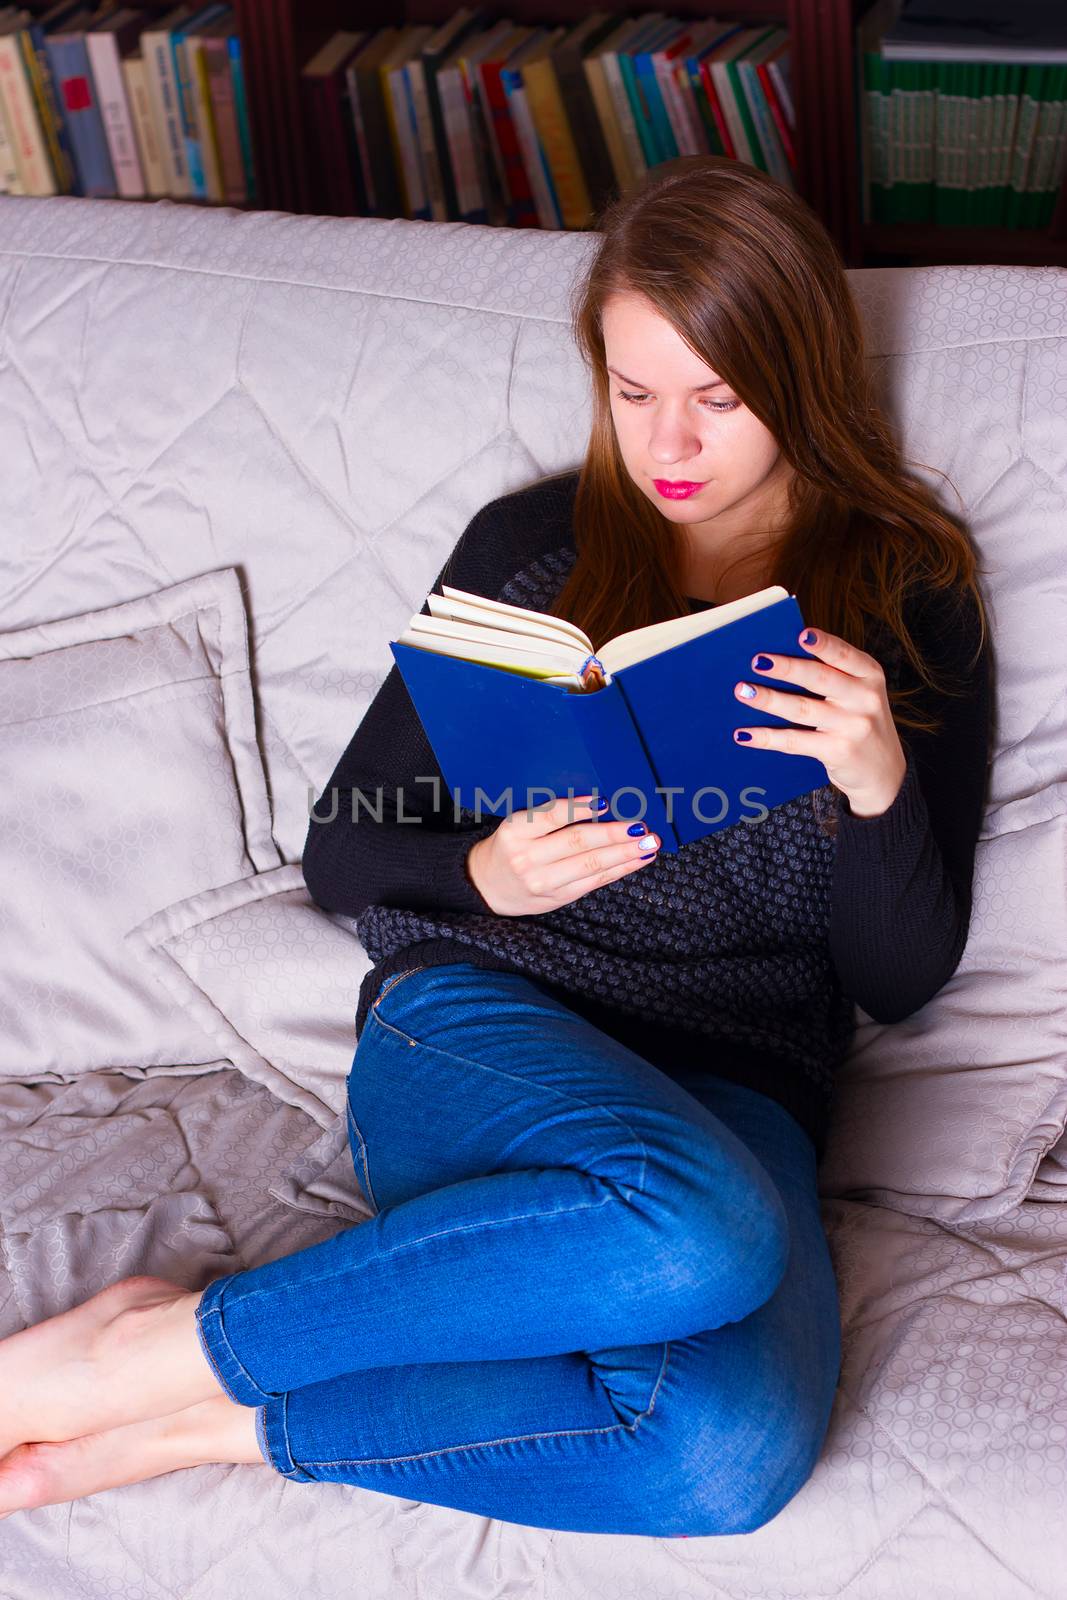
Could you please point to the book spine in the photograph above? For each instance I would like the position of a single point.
(53, 126)
(103, 56)
(10, 182)
(148, 141)
(70, 68)
(557, 139)
(240, 100)
(204, 119)
(162, 87)
(533, 156)
(220, 90)
(187, 125)
(618, 756)
(31, 155)
(611, 67)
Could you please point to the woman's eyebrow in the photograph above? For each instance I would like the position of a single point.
(719, 383)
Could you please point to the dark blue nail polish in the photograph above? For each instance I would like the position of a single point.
(603, 803)
(807, 637)
(763, 663)
(742, 737)
(637, 827)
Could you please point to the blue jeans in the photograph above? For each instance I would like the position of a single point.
(589, 1298)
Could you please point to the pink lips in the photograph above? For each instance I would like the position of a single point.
(675, 491)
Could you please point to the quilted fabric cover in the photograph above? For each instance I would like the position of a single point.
(323, 403)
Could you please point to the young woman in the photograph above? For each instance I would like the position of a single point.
(591, 1084)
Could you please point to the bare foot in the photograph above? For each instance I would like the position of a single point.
(48, 1474)
(127, 1354)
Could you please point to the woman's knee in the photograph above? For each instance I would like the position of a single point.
(717, 1470)
(717, 1235)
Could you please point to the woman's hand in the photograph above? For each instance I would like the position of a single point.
(851, 730)
(540, 858)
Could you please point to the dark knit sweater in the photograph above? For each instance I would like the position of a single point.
(742, 954)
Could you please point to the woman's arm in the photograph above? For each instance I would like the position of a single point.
(901, 890)
(416, 855)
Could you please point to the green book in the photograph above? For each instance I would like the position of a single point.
(1025, 127)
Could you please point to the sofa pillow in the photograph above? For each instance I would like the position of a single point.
(948, 1113)
(271, 977)
(129, 777)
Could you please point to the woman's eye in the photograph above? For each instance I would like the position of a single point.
(712, 405)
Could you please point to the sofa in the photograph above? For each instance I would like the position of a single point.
(235, 450)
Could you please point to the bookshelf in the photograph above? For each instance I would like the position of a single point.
(823, 63)
(279, 36)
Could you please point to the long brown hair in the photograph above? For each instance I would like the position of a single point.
(748, 276)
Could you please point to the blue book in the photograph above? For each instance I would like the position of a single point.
(519, 710)
(75, 87)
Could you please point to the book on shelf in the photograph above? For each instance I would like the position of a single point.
(963, 112)
(518, 708)
(119, 101)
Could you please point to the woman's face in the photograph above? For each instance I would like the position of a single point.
(683, 424)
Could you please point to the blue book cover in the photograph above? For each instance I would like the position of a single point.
(76, 92)
(660, 122)
(656, 740)
(650, 39)
(240, 101)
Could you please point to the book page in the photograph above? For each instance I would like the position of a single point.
(515, 619)
(435, 633)
(638, 644)
(542, 618)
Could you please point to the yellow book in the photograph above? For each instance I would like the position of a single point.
(204, 120)
(557, 139)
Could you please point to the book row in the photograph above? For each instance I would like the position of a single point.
(120, 102)
(488, 121)
(958, 128)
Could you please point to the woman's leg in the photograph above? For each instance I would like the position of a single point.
(542, 1193)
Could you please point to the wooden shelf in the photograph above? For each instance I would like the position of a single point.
(927, 244)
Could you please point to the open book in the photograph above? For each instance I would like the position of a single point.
(519, 709)
(542, 646)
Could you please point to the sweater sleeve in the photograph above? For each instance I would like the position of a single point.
(902, 881)
(415, 856)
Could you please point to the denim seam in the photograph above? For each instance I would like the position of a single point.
(216, 1311)
(524, 1082)
(223, 1382)
(392, 982)
(363, 1157)
(518, 1438)
(500, 1222)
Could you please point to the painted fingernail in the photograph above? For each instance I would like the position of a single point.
(746, 691)
(649, 844)
(637, 827)
(603, 803)
(742, 737)
(763, 663)
(809, 636)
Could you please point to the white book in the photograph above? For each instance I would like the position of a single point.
(149, 143)
(163, 88)
(24, 125)
(106, 67)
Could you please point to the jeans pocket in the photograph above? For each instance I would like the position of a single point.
(388, 987)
